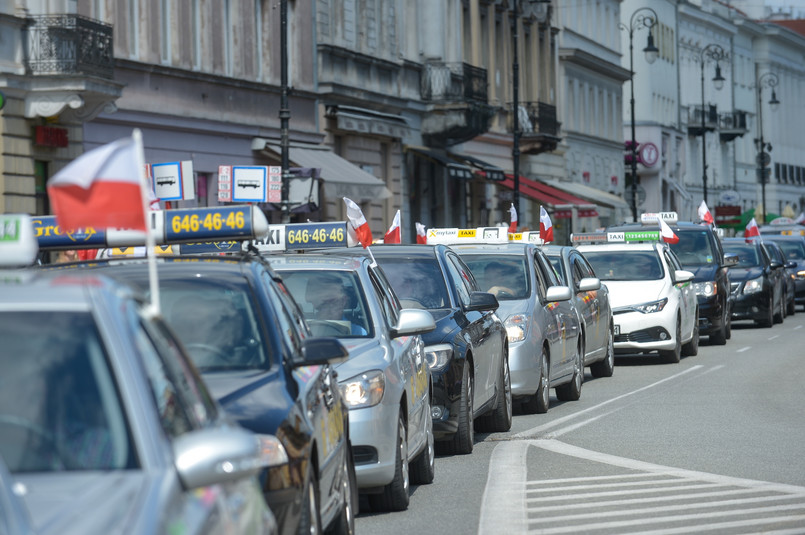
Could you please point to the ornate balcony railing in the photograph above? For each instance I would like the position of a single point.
(695, 119)
(536, 118)
(69, 44)
(453, 82)
(732, 125)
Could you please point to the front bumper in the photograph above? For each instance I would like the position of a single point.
(373, 433)
(754, 306)
(446, 399)
(524, 367)
(711, 314)
(640, 333)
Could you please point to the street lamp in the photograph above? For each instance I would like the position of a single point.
(645, 17)
(715, 53)
(284, 113)
(768, 79)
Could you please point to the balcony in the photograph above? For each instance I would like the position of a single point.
(79, 52)
(457, 98)
(695, 114)
(539, 128)
(732, 125)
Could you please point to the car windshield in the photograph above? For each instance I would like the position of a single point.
(418, 282)
(217, 323)
(793, 250)
(331, 301)
(747, 253)
(505, 276)
(626, 265)
(59, 404)
(694, 248)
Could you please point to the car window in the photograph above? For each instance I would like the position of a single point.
(506, 276)
(558, 267)
(291, 320)
(543, 281)
(585, 268)
(694, 247)
(626, 265)
(793, 250)
(418, 282)
(60, 407)
(460, 278)
(747, 253)
(774, 252)
(385, 299)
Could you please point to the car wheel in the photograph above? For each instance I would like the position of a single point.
(463, 439)
(768, 321)
(691, 349)
(310, 521)
(571, 391)
(672, 356)
(605, 368)
(729, 325)
(395, 495)
(500, 419)
(780, 314)
(791, 307)
(345, 522)
(540, 401)
(719, 337)
(423, 468)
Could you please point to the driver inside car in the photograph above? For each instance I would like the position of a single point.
(330, 301)
(502, 278)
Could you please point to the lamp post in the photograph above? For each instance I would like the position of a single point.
(768, 79)
(715, 53)
(645, 17)
(284, 112)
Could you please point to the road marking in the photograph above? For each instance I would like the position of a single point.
(504, 495)
(775, 336)
(797, 327)
(747, 348)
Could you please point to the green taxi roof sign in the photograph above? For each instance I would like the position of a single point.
(18, 246)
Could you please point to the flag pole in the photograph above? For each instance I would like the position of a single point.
(150, 241)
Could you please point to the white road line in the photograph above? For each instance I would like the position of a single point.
(503, 502)
(797, 327)
(773, 337)
(721, 526)
(747, 348)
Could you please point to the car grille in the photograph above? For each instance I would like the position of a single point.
(653, 334)
(364, 455)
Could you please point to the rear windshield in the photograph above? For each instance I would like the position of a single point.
(418, 282)
(747, 253)
(504, 276)
(626, 265)
(694, 248)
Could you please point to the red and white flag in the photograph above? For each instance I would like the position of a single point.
(100, 189)
(704, 214)
(358, 223)
(545, 226)
(751, 229)
(800, 220)
(421, 233)
(513, 216)
(667, 235)
(393, 233)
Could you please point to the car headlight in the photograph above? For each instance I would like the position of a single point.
(272, 452)
(364, 390)
(707, 289)
(753, 285)
(653, 306)
(801, 274)
(516, 327)
(438, 356)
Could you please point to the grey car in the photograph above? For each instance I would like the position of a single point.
(105, 425)
(386, 380)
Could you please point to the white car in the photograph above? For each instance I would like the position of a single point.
(654, 304)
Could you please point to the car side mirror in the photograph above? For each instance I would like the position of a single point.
(730, 259)
(791, 264)
(681, 275)
(213, 456)
(413, 321)
(589, 284)
(482, 301)
(322, 350)
(774, 264)
(560, 293)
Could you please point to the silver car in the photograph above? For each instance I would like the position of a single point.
(106, 427)
(385, 381)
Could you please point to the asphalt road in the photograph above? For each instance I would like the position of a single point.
(714, 444)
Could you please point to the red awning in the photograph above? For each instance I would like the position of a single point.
(560, 201)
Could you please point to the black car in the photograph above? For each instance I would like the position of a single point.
(793, 247)
(467, 352)
(699, 250)
(775, 252)
(758, 282)
(254, 350)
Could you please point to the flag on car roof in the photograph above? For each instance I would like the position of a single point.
(513, 216)
(704, 213)
(358, 223)
(668, 235)
(545, 226)
(100, 189)
(393, 233)
(752, 231)
(421, 234)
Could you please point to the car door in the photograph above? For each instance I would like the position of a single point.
(560, 333)
(687, 296)
(774, 274)
(588, 305)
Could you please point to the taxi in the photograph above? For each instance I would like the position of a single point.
(654, 305)
(106, 408)
(544, 334)
(386, 380)
(249, 339)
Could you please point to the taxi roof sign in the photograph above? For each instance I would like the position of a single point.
(629, 236)
(526, 237)
(18, 246)
(304, 236)
(455, 236)
(654, 217)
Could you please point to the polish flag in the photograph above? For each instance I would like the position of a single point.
(513, 216)
(100, 189)
(545, 226)
(751, 230)
(393, 233)
(800, 220)
(667, 235)
(358, 223)
(421, 233)
(704, 213)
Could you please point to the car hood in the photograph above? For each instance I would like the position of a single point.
(258, 400)
(703, 273)
(742, 274)
(446, 320)
(510, 307)
(67, 503)
(364, 355)
(624, 293)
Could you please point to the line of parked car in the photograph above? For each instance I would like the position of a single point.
(347, 369)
